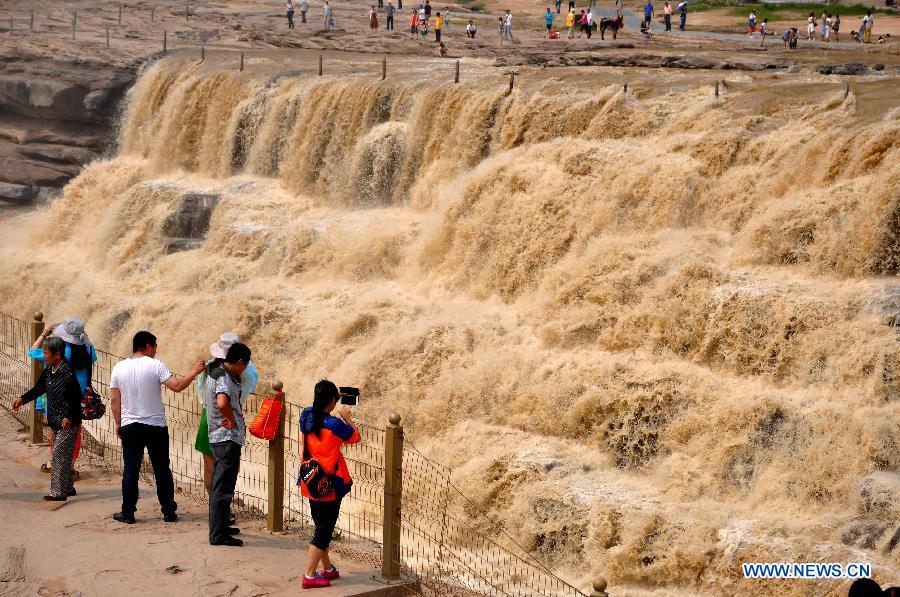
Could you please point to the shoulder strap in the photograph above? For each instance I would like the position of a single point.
(305, 448)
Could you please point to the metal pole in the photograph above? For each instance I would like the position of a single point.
(74, 21)
(107, 37)
(120, 14)
(275, 516)
(512, 81)
(383, 69)
(202, 53)
(165, 40)
(625, 87)
(393, 489)
(456, 77)
(186, 13)
(31, 22)
(152, 14)
(242, 62)
(36, 435)
(10, 25)
(717, 88)
(846, 90)
(320, 65)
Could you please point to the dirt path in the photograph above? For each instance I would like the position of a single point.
(77, 549)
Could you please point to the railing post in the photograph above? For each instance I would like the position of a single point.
(321, 60)
(120, 14)
(383, 69)
(31, 22)
(107, 37)
(275, 517)
(74, 21)
(393, 489)
(456, 76)
(165, 40)
(599, 588)
(242, 62)
(36, 435)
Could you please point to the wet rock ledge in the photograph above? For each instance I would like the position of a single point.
(55, 117)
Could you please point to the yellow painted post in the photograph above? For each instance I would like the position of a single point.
(36, 435)
(393, 489)
(275, 517)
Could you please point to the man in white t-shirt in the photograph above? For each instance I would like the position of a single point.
(135, 390)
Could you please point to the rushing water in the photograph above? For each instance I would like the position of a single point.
(650, 335)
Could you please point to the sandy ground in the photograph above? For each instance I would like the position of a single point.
(76, 548)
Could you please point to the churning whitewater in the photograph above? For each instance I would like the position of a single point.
(651, 332)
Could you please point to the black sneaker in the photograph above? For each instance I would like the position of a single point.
(124, 518)
(170, 517)
(72, 493)
(229, 541)
(233, 531)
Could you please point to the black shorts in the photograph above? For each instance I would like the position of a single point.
(324, 515)
(549, 26)
(647, 19)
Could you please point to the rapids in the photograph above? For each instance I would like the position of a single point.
(650, 332)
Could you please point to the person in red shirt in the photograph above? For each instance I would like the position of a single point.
(323, 436)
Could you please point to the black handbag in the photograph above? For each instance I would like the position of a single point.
(312, 476)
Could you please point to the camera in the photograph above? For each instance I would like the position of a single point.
(349, 396)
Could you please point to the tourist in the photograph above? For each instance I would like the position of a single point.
(304, 8)
(786, 38)
(290, 13)
(869, 22)
(682, 13)
(380, 3)
(136, 399)
(751, 23)
(558, 6)
(80, 354)
(824, 30)
(64, 396)
(794, 35)
(323, 436)
(620, 9)
(427, 9)
(507, 26)
(249, 379)
(648, 13)
(414, 23)
(442, 50)
(582, 22)
(836, 27)
(827, 28)
(572, 5)
(227, 434)
(570, 23)
(548, 22)
(373, 20)
(667, 16)
(389, 17)
(763, 31)
(329, 16)
(447, 19)
(590, 23)
(423, 28)
(471, 30)
(854, 36)
(500, 29)
(438, 27)
(811, 27)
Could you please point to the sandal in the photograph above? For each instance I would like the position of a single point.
(46, 468)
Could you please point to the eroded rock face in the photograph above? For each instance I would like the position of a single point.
(55, 117)
(186, 227)
(879, 495)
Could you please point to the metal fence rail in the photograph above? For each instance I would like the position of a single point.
(437, 536)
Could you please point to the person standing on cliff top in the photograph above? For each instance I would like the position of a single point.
(290, 13)
(764, 31)
(304, 8)
(427, 9)
(227, 435)
(507, 26)
(548, 22)
(667, 16)
(414, 23)
(648, 14)
(682, 13)
(570, 23)
(389, 16)
(751, 23)
(438, 27)
(135, 391)
(329, 16)
(373, 20)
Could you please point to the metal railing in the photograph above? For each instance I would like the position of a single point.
(401, 502)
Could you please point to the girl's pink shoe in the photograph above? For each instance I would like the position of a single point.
(331, 574)
(316, 582)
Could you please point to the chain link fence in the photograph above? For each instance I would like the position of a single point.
(447, 545)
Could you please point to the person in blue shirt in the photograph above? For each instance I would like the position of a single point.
(648, 14)
(81, 356)
(548, 21)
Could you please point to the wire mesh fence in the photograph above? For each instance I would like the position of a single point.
(446, 543)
